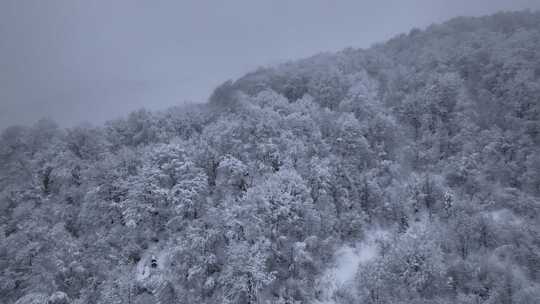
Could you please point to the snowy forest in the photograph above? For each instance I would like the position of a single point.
(408, 172)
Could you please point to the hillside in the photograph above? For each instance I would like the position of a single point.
(408, 172)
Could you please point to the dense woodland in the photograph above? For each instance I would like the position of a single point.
(427, 145)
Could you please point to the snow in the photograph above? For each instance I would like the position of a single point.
(347, 260)
(502, 216)
(143, 269)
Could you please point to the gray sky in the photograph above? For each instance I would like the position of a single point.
(75, 60)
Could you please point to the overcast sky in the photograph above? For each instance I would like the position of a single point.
(75, 60)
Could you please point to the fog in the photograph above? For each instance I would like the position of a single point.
(76, 61)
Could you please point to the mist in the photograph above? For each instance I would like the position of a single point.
(80, 61)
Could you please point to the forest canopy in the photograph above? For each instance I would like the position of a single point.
(408, 172)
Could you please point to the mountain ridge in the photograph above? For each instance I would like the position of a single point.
(419, 157)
